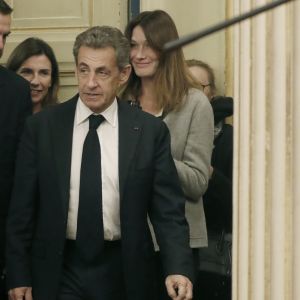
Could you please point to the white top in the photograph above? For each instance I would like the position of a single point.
(108, 133)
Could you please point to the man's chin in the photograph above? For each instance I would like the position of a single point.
(94, 105)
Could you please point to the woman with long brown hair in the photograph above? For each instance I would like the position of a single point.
(162, 85)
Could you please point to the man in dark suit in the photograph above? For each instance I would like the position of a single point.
(15, 105)
(78, 227)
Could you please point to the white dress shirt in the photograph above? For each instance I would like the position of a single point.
(108, 133)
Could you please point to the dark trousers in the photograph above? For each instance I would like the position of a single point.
(214, 286)
(102, 280)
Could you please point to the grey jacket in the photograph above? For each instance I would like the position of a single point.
(192, 133)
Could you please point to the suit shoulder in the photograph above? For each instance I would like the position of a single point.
(61, 107)
(13, 79)
(136, 110)
(136, 113)
(55, 110)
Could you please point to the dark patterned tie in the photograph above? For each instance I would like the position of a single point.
(90, 235)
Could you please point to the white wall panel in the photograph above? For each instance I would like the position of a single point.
(266, 179)
(58, 22)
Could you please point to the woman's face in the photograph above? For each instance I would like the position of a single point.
(37, 70)
(143, 58)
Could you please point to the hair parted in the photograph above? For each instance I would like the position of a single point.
(103, 37)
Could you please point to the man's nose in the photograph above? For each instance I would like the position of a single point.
(92, 81)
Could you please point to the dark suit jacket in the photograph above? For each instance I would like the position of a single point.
(15, 106)
(218, 197)
(148, 184)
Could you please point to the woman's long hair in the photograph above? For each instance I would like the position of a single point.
(172, 79)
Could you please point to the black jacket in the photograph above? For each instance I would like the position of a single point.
(218, 197)
(15, 106)
(148, 185)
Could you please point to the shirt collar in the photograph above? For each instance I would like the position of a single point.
(83, 112)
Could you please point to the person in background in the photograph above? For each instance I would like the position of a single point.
(35, 61)
(204, 74)
(89, 171)
(162, 86)
(218, 197)
(15, 106)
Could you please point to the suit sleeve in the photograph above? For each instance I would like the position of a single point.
(21, 215)
(193, 170)
(18, 112)
(167, 212)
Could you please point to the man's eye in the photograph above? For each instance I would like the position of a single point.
(103, 74)
(83, 71)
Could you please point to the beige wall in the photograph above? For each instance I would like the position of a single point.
(194, 15)
(58, 22)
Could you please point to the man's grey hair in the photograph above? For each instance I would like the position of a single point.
(103, 37)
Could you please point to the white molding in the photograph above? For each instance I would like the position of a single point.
(267, 154)
(51, 14)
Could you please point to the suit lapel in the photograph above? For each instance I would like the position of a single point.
(129, 133)
(62, 130)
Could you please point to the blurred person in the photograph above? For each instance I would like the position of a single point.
(218, 197)
(88, 173)
(35, 61)
(162, 86)
(15, 106)
(204, 74)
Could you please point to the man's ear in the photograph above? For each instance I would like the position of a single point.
(124, 74)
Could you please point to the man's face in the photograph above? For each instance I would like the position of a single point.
(99, 77)
(5, 21)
